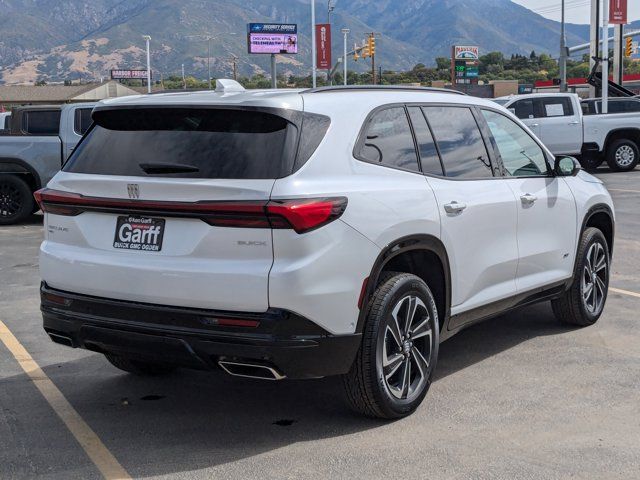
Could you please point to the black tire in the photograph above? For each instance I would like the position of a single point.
(573, 308)
(382, 392)
(16, 200)
(138, 367)
(623, 155)
(591, 162)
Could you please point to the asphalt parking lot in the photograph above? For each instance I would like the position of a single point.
(518, 396)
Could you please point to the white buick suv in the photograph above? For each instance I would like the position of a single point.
(306, 233)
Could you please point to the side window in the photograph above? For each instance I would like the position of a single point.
(520, 154)
(82, 120)
(388, 140)
(459, 140)
(429, 157)
(41, 122)
(523, 109)
(557, 107)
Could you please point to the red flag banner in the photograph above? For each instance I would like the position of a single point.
(323, 46)
(618, 12)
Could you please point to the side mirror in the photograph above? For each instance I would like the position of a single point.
(566, 166)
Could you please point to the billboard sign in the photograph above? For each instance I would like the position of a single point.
(128, 74)
(618, 12)
(466, 53)
(323, 46)
(272, 38)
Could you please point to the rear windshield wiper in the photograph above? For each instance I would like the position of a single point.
(152, 168)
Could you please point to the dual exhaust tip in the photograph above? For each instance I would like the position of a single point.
(250, 370)
(237, 369)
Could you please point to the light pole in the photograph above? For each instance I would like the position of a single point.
(313, 43)
(147, 39)
(345, 32)
(330, 8)
(562, 61)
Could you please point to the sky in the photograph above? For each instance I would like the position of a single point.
(577, 11)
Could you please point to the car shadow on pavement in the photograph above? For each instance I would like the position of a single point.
(192, 420)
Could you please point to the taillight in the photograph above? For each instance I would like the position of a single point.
(305, 215)
(301, 215)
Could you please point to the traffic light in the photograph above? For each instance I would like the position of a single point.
(628, 47)
(366, 52)
(372, 45)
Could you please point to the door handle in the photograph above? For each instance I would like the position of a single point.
(534, 125)
(528, 199)
(574, 123)
(454, 207)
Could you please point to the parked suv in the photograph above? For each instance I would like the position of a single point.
(306, 233)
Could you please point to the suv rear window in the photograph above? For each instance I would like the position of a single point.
(210, 143)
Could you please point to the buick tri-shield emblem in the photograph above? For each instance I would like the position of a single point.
(134, 190)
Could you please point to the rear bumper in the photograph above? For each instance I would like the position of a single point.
(294, 346)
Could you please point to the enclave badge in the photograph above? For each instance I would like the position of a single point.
(134, 190)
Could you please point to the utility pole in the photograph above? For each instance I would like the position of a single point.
(234, 59)
(147, 39)
(330, 8)
(209, 39)
(274, 78)
(184, 80)
(313, 43)
(209, 61)
(618, 57)
(562, 61)
(345, 33)
(594, 35)
(605, 56)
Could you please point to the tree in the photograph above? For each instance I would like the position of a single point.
(443, 63)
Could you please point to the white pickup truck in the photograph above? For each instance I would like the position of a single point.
(557, 120)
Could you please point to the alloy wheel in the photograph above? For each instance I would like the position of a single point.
(594, 278)
(10, 200)
(625, 155)
(407, 349)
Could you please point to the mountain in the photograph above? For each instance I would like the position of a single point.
(71, 39)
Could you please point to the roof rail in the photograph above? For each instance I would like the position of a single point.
(342, 88)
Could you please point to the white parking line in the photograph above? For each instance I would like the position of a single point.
(622, 190)
(624, 292)
(87, 438)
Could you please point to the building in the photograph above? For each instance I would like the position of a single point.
(14, 95)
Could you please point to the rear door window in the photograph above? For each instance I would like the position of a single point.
(82, 120)
(460, 142)
(388, 141)
(187, 143)
(557, 107)
(41, 122)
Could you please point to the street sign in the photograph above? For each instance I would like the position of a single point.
(323, 46)
(618, 12)
(272, 38)
(525, 88)
(128, 74)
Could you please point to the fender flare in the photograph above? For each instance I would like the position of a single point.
(398, 247)
(16, 165)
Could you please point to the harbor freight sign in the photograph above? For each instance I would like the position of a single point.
(128, 74)
(618, 12)
(272, 38)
